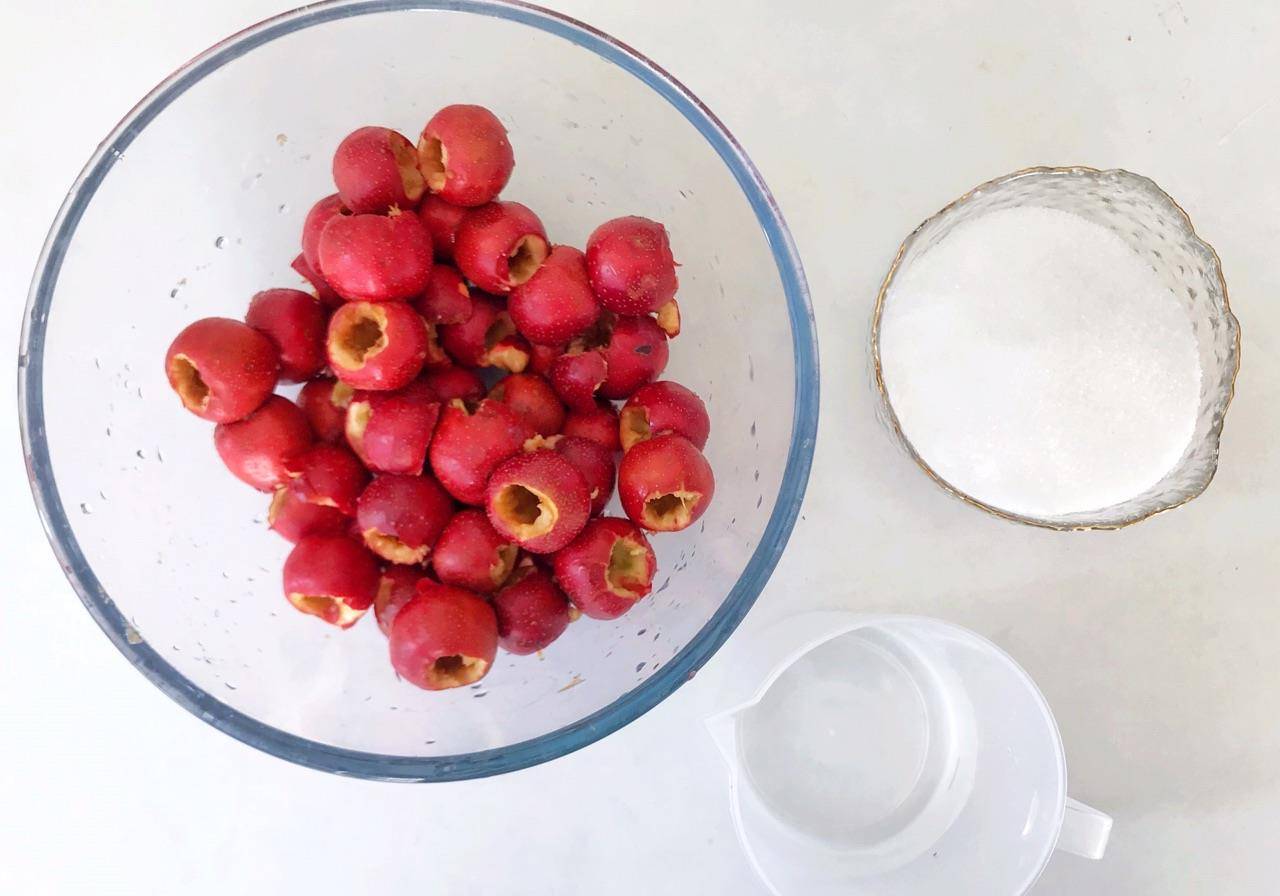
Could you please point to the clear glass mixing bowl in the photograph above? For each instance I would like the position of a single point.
(195, 202)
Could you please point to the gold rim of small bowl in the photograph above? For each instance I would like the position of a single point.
(1215, 435)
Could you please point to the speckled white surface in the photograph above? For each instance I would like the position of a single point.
(1154, 645)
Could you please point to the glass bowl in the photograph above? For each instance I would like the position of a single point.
(196, 201)
(1186, 268)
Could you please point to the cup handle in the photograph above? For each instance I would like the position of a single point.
(1085, 830)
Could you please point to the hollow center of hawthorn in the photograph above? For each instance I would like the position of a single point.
(191, 388)
(360, 340)
(503, 356)
(633, 426)
(500, 329)
(340, 395)
(503, 563)
(278, 498)
(331, 609)
(407, 161)
(388, 547)
(668, 318)
(455, 671)
(435, 354)
(671, 511)
(510, 358)
(431, 161)
(526, 257)
(627, 567)
(358, 421)
(527, 511)
(315, 604)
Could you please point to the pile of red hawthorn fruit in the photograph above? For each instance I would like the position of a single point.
(467, 516)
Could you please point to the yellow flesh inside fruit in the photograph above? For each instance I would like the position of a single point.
(527, 512)
(525, 259)
(358, 421)
(432, 161)
(668, 318)
(193, 390)
(340, 395)
(330, 609)
(277, 502)
(407, 162)
(508, 357)
(671, 511)
(362, 339)
(388, 547)
(634, 426)
(536, 442)
(627, 564)
(504, 563)
(454, 671)
(498, 330)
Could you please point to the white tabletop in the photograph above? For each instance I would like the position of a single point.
(864, 118)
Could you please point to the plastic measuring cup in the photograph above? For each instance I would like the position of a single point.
(893, 755)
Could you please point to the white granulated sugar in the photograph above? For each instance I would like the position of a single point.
(1039, 365)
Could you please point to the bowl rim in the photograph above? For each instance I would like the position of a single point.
(1078, 521)
(300, 750)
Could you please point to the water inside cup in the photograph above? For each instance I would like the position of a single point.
(861, 744)
(891, 756)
